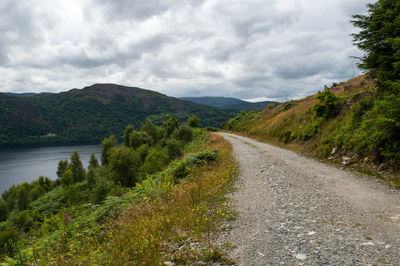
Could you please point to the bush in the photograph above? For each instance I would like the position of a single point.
(142, 152)
(328, 106)
(202, 157)
(23, 220)
(137, 139)
(173, 148)
(184, 134)
(100, 191)
(181, 171)
(124, 165)
(193, 121)
(3, 210)
(155, 161)
(8, 239)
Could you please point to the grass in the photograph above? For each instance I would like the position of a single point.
(179, 223)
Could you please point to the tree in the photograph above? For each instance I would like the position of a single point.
(23, 196)
(108, 145)
(139, 138)
(124, 165)
(380, 39)
(76, 167)
(62, 166)
(3, 210)
(154, 131)
(67, 178)
(170, 124)
(127, 134)
(193, 121)
(93, 162)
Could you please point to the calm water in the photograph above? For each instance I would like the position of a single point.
(25, 165)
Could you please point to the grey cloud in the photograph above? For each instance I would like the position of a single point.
(245, 49)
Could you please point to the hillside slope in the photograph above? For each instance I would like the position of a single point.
(329, 125)
(214, 101)
(88, 115)
(229, 104)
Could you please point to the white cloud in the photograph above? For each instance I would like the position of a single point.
(244, 49)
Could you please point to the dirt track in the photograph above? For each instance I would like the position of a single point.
(295, 210)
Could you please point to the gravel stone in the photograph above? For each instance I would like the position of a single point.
(295, 210)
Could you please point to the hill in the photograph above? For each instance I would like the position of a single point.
(82, 116)
(336, 124)
(228, 103)
(214, 101)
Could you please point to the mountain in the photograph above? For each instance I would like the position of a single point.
(24, 94)
(83, 116)
(231, 104)
(214, 101)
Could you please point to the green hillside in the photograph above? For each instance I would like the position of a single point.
(214, 101)
(88, 115)
(230, 104)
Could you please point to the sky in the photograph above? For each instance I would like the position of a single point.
(253, 49)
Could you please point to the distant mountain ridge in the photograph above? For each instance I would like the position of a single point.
(229, 103)
(24, 94)
(214, 101)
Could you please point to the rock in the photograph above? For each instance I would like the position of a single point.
(311, 233)
(301, 256)
(367, 244)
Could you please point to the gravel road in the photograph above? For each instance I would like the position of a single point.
(295, 210)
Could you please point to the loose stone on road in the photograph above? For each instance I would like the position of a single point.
(295, 210)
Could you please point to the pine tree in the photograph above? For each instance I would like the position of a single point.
(76, 167)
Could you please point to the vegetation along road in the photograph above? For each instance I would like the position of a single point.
(295, 210)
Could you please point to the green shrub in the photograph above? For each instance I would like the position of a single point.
(138, 138)
(8, 239)
(184, 134)
(100, 191)
(173, 148)
(193, 121)
(142, 151)
(181, 171)
(155, 161)
(202, 157)
(3, 210)
(328, 106)
(124, 165)
(23, 220)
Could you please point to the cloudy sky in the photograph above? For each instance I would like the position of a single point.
(277, 49)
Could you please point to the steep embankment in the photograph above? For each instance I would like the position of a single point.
(88, 115)
(337, 124)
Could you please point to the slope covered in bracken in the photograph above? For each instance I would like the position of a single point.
(331, 125)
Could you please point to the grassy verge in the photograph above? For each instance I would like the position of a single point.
(160, 220)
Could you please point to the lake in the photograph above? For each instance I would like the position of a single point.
(25, 165)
